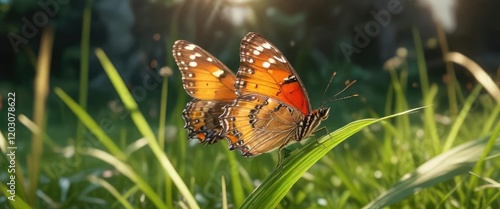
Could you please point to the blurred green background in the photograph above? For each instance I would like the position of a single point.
(395, 49)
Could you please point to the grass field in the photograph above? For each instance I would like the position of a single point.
(430, 156)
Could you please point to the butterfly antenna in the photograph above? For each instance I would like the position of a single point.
(328, 85)
(333, 98)
(341, 98)
(345, 88)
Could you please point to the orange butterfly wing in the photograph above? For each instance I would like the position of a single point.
(257, 124)
(210, 83)
(264, 70)
(272, 108)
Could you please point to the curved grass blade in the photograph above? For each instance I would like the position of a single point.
(444, 167)
(279, 182)
(90, 123)
(111, 189)
(129, 173)
(143, 127)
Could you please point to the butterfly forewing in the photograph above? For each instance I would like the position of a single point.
(272, 108)
(210, 83)
(203, 76)
(264, 69)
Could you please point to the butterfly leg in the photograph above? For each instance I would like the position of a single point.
(320, 129)
(280, 156)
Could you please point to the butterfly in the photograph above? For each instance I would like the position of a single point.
(272, 108)
(210, 83)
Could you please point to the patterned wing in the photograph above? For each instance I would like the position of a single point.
(210, 83)
(257, 124)
(202, 120)
(204, 77)
(264, 70)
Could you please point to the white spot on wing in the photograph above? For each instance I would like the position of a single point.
(210, 59)
(192, 57)
(250, 60)
(266, 45)
(190, 47)
(272, 61)
(179, 54)
(193, 64)
(256, 52)
(218, 73)
(280, 59)
(197, 54)
(260, 48)
(266, 65)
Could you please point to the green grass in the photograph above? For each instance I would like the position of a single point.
(426, 159)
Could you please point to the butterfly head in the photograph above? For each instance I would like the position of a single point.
(322, 113)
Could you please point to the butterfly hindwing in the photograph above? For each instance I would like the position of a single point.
(257, 124)
(210, 83)
(202, 120)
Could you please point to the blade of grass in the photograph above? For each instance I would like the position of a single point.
(279, 182)
(238, 195)
(460, 118)
(450, 71)
(163, 114)
(84, 65)
(91, 124)
(441, 168)
(127, 194)
(18, 203)
(479, 168)
(340, 172)
(18, 173)
(430, 127)
(112, 190)
(422, 66)
(40, 104)
(143, 127)
(224, 193)
(481, 76)
(30, 125)
(402, 122)
(492, 119)
(129, 173)
(388, 145)
(161, 134)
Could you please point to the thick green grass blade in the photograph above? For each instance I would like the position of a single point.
(479, 168)
(238, 194)
(457, 125)
(18, 203)
(91, 124)
(277, 185)
(444, 167)
(144, 128)
(84, 65)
